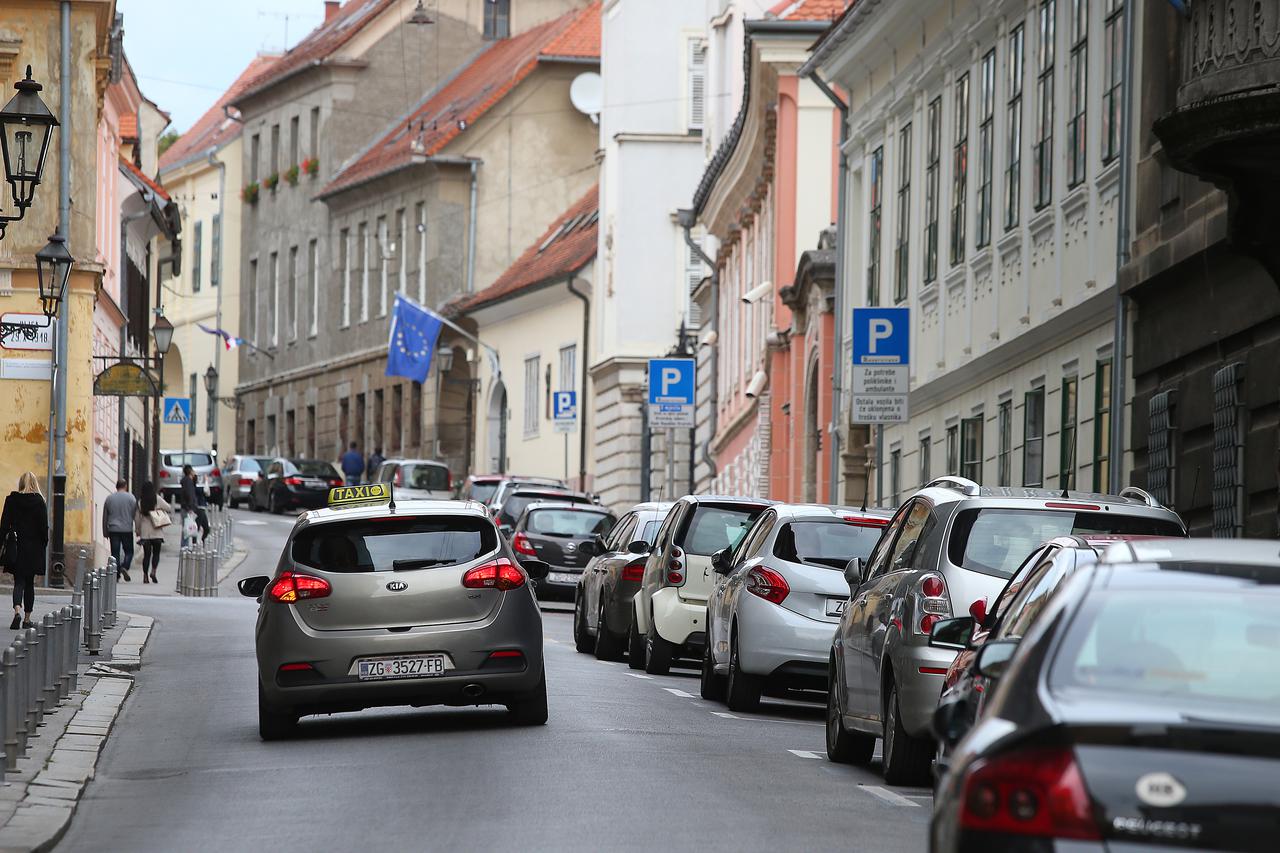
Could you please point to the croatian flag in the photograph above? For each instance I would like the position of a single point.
(227, 339)
(414, 332)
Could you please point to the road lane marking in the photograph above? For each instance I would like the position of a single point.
(805, 753)
(609, 663)
(726, 715)
(248, 523)
(640, 675)
(680, 693)
(888, 796)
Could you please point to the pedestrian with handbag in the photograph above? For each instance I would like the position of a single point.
(189, 499)
(117, 527)
(24, 535)
(150, 522)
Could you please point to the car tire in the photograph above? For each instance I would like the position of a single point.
(844, 746)
(235, 504)
(608, 644)
(635, 646)
(906, 758)
(531, 709)
(253, 504)
(274, 723)
(712, 687)
(273, 507)
(657, 653)
(581, 639)
(742, 692)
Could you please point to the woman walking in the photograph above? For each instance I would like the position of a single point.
(24, 534)
(151, 508)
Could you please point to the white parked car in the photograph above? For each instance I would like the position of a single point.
(422, 479)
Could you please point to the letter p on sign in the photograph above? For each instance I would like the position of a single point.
(881, 330)
(668, 377)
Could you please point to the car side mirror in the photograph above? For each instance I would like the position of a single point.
(535, 569)
(993, 658)
(947, 722)
(638, 546)
(978, 610)
(720, 562)
(588, 549)
(952, 633)
(853, 572)
(254, 586)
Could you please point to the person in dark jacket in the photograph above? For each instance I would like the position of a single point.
(352, 465)
(375, 462)
(27, 520)
(189, 500)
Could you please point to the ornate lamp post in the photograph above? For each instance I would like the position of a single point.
(53, 269)
(26, 127)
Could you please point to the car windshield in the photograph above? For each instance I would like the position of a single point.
(313, 468)
(569, 523)
(1185, 647)
(513, 506)
(715, 527)
(483, 491)
(996, 541)
(434, 478)
(195, 460)
(374, 545)
(831, 544)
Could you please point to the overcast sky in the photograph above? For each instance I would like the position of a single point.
(187, 52)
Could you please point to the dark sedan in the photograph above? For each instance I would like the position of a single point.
(555, 533)
(602, 603)
(294, 484)
(1140, 712)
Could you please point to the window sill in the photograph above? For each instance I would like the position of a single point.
(1011, 240)
(1109, 176)
(1077, 199)
(1041, 222)
(981, 261)
(528, 436)
(928, 294)
(956, 278)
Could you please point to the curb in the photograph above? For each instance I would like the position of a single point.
(238, 556)
(45, 810)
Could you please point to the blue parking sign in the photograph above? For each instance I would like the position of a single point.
(672, 384)
(564, 410)
(881, 335)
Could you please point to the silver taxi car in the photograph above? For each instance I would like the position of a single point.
(380, 602)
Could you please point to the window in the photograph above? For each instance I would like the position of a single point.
(215, 250)
(383, 252)
(344, 267)
(960, 170)
(210, 411)
(895, 475)
(255, 156)
(275, 149)
(568, 368)
(953, 449)
(1033, 438)
(1102, 427)
(313, 286)
(194, 398)
(873, 237)
(415, 414)
(397, 419)
(926, 462)
(901, 267)
(532, 365)
(290, 433)
(310, 449)
(293, 141)
(1161, 448)
(1004, 428)
(1112, 77)
(1013, 130)
(932, 171)
(1067, 454)
(497, 19)
(696, 91)
(292, 297)
(971, 448)
(986, 145)
(197, 247)
(1228, 452)
(694, 271)
(1043, 152)
(313, 149)
(1076, 134)
(273, 297)
(379, 419)
(362, 263)
(251, 318)
(400, 249)
(420, 217)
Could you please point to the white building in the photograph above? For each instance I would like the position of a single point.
(983, 146)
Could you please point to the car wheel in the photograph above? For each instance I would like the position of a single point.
(274, 723)
(712, 687)
(581, 639)
(254, 506)
(742, 693)
(844, 746)
(273, 507)
(635, 646)
(235, 504)
(657, 653)
(531, 709)
(608, 644)
(906, 758)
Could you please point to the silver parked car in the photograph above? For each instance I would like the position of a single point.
(208, 476)
(404, 603)
(949, 545)
(423, 479)
(777, 598)
(239, 473)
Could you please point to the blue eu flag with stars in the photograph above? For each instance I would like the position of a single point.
(414, 331)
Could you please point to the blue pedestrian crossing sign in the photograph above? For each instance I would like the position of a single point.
(672, 383)
(564, 410)
(177, 410)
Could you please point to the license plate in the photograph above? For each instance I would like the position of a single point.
(836, 606)
(407, 666)
(562, 577)
(314, 484)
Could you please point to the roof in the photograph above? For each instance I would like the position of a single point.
(449, 110)
(129, 126)
(141, 176)
(808, 10)
(404, 507)
(1223, 552)
(214, 129)
(320, 44)
(839, 32)
(563, 249)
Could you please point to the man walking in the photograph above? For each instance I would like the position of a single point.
(375, 462)
(352, 465)
(117, 526)
(189, 500)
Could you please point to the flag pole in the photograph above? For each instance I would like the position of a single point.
(446, 321)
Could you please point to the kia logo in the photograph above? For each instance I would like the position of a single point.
(570, 548)
(397, 586)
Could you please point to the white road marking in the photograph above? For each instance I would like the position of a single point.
(888, 796)
(549, 640)
(726, 715)
(250, 523)
(805, 753)
(609, 663)
(680, 693)
(640, 675)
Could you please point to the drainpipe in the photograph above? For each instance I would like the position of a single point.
(1117, 478)
(471, 233)
(217, 311)
(582, 395)
(686, 218)
(59, 495)
(841, 194)
(125, 221)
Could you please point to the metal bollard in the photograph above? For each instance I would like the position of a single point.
(9, 697)
(49, 684)
(113, 587)
(18, 698)
(39, 697)
(30, 682)
(67, 651)
(87, 603)
(93, 638)
(77, 617)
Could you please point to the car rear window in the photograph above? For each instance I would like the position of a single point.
(375, 545)
(996, 541)
(650, 530)
(513, 506)
(248, 464)
(195, 460)
(831, 544)
(569, 523)
(434, 478)
(483, 491)
(313, 468)
(1186, 647)
(715, 527)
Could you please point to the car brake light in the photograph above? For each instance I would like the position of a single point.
(164, 475)
(933, 604)
(505, 653)
(633, 571)
(215, 473)
(1036, 792)
(522, 545)
(767, 584)
(296, 667)
(291, 586)
(293, 481)
(857, 521)
(1061, 505)
(675, 568)
(335, 481)
(245, 481)
(501, 574)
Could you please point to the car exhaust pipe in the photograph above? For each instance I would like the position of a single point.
(473, 691)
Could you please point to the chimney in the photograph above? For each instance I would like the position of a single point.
(331, 8)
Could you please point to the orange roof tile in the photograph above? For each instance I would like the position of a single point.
(129, 126)
(213, 129)
(581, 40)
(142, 176)
(448, 111)
(809, 10)
(566, 247)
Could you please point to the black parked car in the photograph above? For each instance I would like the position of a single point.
(507, 513)
(294, 484)
(1140, 712)
(555, 533)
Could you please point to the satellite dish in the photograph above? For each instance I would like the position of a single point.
(586, 92)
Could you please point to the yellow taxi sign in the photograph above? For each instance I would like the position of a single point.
(370, 493)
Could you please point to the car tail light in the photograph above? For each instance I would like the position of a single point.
(506, 654)
(767, 584)
(675, 568)
(933, 604)
(296, 667)
(293, 481)
(164, 475)
(398, 479)
(1037, 792)
(633, 571)
(292, 586)
(523, 546)
(245, 481)
(501, 574)
(215, 473)
(335, 481)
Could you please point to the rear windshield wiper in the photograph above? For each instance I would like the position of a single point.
(401, 565)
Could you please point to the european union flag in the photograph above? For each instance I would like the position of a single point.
(414, 331)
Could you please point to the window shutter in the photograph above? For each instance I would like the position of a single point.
(693, 273)
(697, 83)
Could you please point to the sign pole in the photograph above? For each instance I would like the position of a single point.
(671, 464)
(879, 464)
(566, 457)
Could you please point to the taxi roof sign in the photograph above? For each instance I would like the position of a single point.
(370, 493)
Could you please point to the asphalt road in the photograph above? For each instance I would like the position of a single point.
(626, 762)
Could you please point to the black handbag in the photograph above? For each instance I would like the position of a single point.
(9, 552)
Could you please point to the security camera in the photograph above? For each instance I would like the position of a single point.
(757, 384)
(709, 339)
(755, 294)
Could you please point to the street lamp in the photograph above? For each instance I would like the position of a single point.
(53, 269)
(211, 381)
(26, 127)
(445, 354)
(163, 333)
